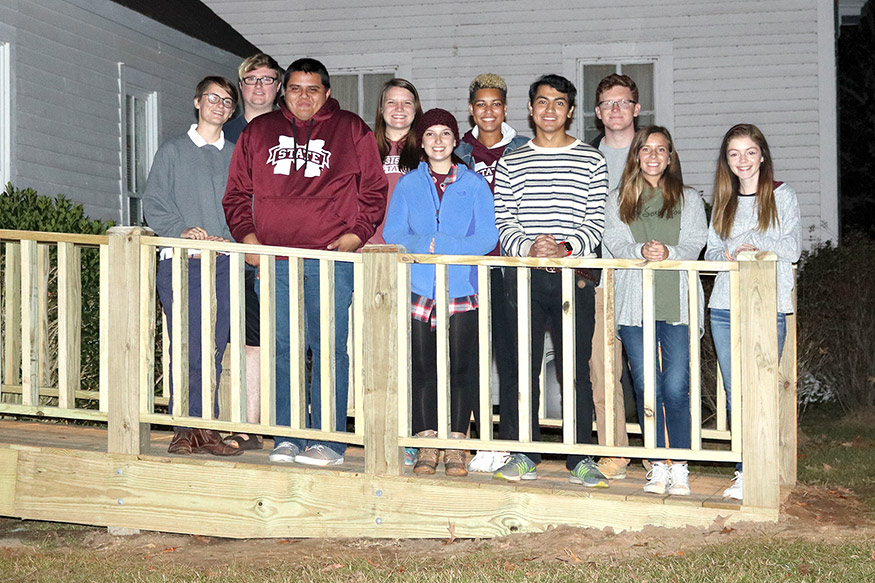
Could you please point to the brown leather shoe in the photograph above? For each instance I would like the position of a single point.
(455, 463)
(209, 441)
(427, 458)
(181, 442)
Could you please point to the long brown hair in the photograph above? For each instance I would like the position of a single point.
(633, 183)
(409, 155)
(727, 185)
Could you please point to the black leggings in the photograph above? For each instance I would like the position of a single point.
(463, 372)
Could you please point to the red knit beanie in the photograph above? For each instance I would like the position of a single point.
(436, 117)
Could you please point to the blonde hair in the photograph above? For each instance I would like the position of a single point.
(487, 81)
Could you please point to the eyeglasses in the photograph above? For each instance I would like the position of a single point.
(227, 102)
(266, 81)
(622, 104)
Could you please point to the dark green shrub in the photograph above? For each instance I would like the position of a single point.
(836, 330)
(25, 210)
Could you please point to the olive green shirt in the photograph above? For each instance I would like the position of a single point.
(649, 226)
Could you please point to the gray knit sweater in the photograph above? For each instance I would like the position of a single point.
(185, 188)
(620, 243)
(784, 239)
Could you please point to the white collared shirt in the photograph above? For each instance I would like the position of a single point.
(199, 140)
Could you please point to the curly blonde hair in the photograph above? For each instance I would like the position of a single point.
(487, 81)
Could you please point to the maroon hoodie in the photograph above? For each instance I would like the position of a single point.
(306, 194)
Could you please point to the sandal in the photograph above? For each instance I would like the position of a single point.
(244, 441)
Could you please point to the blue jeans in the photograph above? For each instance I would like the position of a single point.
(723, 342)
(672, 381)
(343, 282)
(164, 283)
(720, 331)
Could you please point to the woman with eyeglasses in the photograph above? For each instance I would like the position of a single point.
(183, 198)
(442, 207)
(653, 217)
(752, 212)
(397, 113)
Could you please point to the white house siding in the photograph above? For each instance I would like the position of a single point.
(768, 62)
(66, 124)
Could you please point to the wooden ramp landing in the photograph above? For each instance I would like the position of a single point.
(59, 472)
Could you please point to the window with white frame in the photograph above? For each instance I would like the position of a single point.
(359, 90)
(589, 78)
(139, 117)
(648, 64)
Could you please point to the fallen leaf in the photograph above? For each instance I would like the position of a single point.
(330, 567)
(201, 539)
(679, 553)
(170, 550)
(371, 563)
(572, 556)
(283, 541)
(827, 468)
(727, 530)
(508, 566)
(804, 569)
(451, 528)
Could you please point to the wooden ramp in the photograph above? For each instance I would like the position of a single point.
(63, 473)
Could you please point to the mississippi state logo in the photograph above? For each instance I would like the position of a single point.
(487, 171)
(390, 165)
(281, 156)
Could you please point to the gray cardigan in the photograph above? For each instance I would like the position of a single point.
(784, 239)
(620, 243)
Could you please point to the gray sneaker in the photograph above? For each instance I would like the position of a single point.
(319, 455)
(587, 472)
(518, 467)
(284, 452)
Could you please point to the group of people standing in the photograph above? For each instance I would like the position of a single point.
(305, 173)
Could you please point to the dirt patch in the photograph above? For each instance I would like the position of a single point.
(810, 513)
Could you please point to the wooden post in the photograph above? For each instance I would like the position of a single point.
(69, 323)
(758, 383)
(380, 407)
(126, 433)
(29, 325)
(12, 315)
(787, 401)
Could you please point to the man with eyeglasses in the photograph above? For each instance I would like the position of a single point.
(616, 110)
(258, 78)
(182, 199)
(308, 175)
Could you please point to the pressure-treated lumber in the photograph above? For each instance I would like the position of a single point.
(126, 433)
(192, 496)
(380, 408)
(758, 384)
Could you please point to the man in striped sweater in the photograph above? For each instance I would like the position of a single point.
(549, 202)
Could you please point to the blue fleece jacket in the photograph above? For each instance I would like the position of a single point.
(461, 223)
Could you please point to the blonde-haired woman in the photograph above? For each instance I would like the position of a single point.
(751, 212)
(652, 216)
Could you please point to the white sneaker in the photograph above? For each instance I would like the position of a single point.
(736, 490)
(319, 455)
(680, 480)
(488, 461)
(657, 478)
(284, 452)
